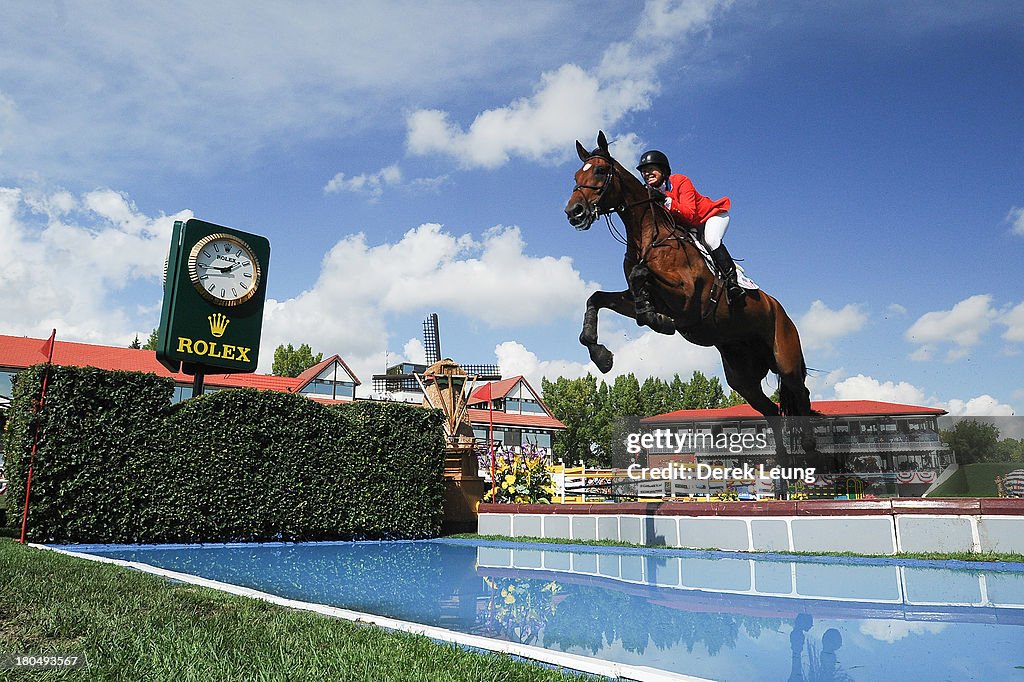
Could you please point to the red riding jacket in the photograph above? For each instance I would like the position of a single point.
(689, 207)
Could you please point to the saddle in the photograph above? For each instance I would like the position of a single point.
(741, 277)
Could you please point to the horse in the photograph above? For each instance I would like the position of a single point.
(753, 336)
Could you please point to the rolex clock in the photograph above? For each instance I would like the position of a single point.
(224, 269)
(214, 289)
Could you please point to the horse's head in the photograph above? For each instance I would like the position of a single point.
(594, 194)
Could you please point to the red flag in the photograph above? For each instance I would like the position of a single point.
(47, 349)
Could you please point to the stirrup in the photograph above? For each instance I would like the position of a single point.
(734, 292)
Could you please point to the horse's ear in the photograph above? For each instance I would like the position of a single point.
(581, 150)
(602, 141)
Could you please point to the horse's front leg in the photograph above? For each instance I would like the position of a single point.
(619, 301)
(639, 280)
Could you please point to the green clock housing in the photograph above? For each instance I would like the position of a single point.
(214, 290)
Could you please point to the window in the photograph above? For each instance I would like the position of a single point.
(539, 439)
(325, 387)
(525, 405)
(6, 381)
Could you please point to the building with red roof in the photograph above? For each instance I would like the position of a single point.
(328, 380)
(519, 416)
(891, 447)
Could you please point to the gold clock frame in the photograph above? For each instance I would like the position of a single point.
(193, 274)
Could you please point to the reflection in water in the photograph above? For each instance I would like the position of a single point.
(518, 610)
(703, 614)
(822, 664)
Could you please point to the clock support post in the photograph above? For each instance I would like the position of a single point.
(197, 381)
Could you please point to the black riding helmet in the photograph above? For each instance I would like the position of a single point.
(653, 157)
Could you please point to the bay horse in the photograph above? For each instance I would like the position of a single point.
(753, 336)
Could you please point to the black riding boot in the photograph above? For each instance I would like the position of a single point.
(727, 269)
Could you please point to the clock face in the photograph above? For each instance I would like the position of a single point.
(223, 269)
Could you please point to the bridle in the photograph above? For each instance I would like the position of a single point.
(592, 210)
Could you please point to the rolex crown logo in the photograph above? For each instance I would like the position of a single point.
(218, 324)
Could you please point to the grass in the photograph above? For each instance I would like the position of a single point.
(133, 625)
(975, 480)
(926, 556)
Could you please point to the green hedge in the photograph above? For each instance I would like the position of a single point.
(117, 463)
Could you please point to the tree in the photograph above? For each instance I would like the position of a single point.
(733, 399)
(574, 402)
(972, 441)
(135, 344)
(702, 393)
(153, 340)
(655, 397)
(1010, 450)
(291, 362)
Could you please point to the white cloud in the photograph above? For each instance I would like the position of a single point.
(414, 351)
(567, 102)
(963, 325)
(821, 325)
(359, 287)
(649, 354)
(514, 358)
(819, 382)
(1016, 220)
(570, 101)
(923, 354)
(1014, 321)
(74, 263)
(167, 85)
(895, 310)
(982, 405)
(372, 184)
(863, 387)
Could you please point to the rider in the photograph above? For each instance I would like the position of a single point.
(690, 209)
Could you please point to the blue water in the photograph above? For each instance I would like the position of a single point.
(713, 615)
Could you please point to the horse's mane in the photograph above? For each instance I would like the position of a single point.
(621, 170)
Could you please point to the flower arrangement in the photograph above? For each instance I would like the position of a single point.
(520, 477)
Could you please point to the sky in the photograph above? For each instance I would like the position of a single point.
(409, 158)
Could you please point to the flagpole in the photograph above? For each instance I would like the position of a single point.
(48, 348)
(490, 437)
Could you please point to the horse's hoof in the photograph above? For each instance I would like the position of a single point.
(602, 357)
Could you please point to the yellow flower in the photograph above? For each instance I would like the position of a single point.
(511, 479)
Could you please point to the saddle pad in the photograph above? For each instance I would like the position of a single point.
(741, 276)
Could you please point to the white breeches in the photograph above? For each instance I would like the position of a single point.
(714, 230)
